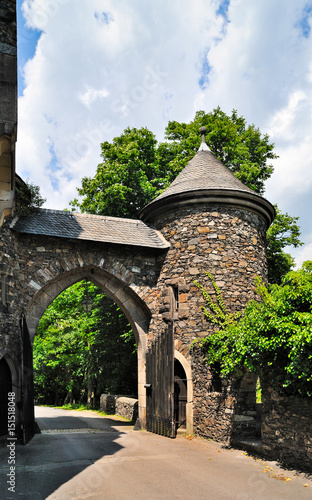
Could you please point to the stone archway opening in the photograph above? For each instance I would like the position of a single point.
(183, 392)
(84, 347)
(180, 395)
(129, 302)
(247, 417)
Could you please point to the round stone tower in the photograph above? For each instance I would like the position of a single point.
(217, 224)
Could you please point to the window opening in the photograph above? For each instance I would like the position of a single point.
(4, 290)
(175, 290)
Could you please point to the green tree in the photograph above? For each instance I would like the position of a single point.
(28, 198)
(127, 178)
(135, 169)
(273, 338)
(284, 232)
(78, 354)
(241, 147)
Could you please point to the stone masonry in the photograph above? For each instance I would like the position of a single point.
(206, 220)
(230, 244)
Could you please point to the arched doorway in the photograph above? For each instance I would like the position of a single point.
(180, 395)
(5, 388)
(247, 423)
(84, 347)
(122, 294)
(183, 392)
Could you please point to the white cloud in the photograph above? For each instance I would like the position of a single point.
(282, 124)
(91, 95)
(303, 254)
(103, 65)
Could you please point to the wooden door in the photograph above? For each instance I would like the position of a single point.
(160, 385)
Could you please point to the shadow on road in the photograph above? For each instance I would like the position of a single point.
(67, 445)
(80, 422)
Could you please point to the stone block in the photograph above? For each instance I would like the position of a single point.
(193, 271)
(127, 407)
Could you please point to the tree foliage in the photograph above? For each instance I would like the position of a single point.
(78, 354)
(284, 232)
(135, 169)
(241, 147)
(273, 338)
(129, 176)
(28, 198)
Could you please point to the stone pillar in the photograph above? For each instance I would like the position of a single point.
(8, 105)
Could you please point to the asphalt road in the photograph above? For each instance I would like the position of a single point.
(81, 455)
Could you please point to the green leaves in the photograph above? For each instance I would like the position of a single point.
(75, 351)
(273, 338)
(126, 179)
(28, 198)
(282, 233)
(136, 169)
(217, 313)
(239, 146)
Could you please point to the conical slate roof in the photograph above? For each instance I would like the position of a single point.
(204, 171)
(205, 179)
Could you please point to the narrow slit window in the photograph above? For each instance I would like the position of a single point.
(176, 297)
(4, 294)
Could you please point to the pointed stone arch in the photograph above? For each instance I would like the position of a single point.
(136, 311)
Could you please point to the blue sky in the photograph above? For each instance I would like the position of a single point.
(88, 70)
(27, 43)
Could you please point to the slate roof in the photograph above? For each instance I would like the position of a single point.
(90, 227)
(204, 171)
(206, 178)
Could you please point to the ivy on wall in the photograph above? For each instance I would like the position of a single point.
(273, 338)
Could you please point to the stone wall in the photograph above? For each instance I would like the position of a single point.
(31, 263)
(108, 403)
(228, 242)
(124, 406)
(9, 275)
(286, 429)
(214, 406)
(8, 23)
(127, 407)
(35, 269)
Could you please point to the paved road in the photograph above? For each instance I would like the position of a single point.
(82, 456)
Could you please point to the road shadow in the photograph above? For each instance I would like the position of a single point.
(106, 424)
(66, 446)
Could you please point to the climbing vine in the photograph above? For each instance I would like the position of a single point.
(216, 311)
(273, 338)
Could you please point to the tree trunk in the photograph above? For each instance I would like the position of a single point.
(90, 398)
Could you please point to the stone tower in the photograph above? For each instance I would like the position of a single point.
(214, 223)
(8, 105)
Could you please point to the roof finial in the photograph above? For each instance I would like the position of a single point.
(203, 146)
